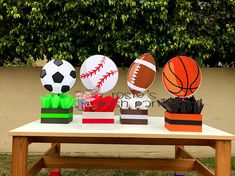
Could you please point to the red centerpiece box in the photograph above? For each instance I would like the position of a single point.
(98, 117)
(99, 110)
(183, 122)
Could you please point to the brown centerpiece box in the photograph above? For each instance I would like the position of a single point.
(133, 116)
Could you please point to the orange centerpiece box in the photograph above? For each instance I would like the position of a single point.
(183, 122)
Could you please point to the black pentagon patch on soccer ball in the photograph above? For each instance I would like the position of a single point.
(73, 74)
(65, 89)
(43, 73)
(58, 62)
(48, 87)
(58, 77)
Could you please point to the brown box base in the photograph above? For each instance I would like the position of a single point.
(134, 111)
(57, 120)
(134, 121)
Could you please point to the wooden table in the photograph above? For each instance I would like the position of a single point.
(152, 134)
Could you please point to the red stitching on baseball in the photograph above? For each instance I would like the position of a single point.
(108, 74)
(93, 72)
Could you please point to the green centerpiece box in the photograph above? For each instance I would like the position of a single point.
(57, 108)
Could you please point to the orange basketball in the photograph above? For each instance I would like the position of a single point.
(181, 76)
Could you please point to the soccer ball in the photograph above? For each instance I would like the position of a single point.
(58, 76)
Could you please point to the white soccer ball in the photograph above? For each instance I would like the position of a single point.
(58, 76)
(99, 72)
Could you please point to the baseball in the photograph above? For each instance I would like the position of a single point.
(99, 72)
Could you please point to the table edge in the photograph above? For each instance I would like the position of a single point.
(104, 135)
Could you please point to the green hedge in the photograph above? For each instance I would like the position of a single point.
(122, 30)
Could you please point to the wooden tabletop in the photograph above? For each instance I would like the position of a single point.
(155, 129)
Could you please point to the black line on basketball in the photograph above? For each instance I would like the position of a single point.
(186, 74)
(198, 73)
(172, 84)
(182, 85)
(174, 92)
(176, 85)
(192, 88)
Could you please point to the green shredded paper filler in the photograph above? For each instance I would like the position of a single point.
(64, 101)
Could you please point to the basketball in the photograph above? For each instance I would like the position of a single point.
(181, 76)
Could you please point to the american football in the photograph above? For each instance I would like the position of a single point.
(141, 74)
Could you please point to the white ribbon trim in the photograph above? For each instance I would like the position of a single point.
(98, 115)
(132, 86)
(147, 64)
(128, 116)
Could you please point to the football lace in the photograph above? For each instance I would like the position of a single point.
(133, 78)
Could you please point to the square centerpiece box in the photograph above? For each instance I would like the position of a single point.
(97, 117)
(183, 122)
(99, 112)
(133, 116)
(56, 115)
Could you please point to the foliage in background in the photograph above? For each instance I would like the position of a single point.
(64, 101)
(122, 30)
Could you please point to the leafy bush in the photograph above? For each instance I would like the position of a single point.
(64, 101)
(122, 30)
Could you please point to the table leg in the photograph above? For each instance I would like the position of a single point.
(223, 158)
(56, 171)
(19, 156)
(177, 156)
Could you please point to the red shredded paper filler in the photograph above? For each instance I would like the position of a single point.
(102, 104)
